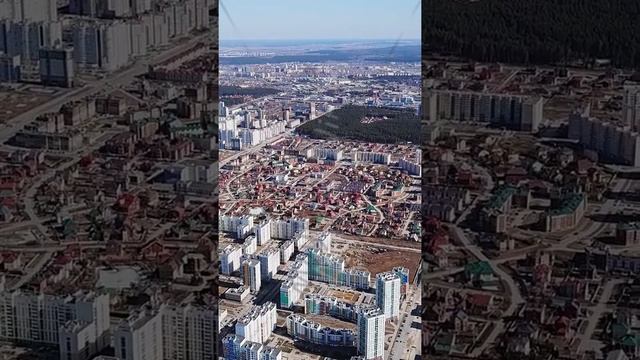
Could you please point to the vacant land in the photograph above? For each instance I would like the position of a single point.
(380, 261)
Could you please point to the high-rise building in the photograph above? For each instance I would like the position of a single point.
(251, 274)
(309, 331)
(78, 341)
(101, 44)
(242, 226)
(269, 261)
(312, 110)
(231, 345)
(297, 279)
(188, 332)
(230, 259)
(263, 232)
(10, 68)
(371, 331)
(29, 10)
(523, 113)
(373, 157)
(238, 348)
(388, 294)
(139, 337)
(331, 269)
(56, 67)
(323, 243)
(109, 8)
(258, 324)
(412, 167)
(612, 143)
(286, 250)
(38, 318)
(631, 106)
(287, 229)
(327, 153)
(271, 353)
(26, 38)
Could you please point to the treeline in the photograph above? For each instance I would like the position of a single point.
(400, 53)
(535, 31)
(345, 123)
(227, 90)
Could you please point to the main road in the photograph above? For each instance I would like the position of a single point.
(114, 80)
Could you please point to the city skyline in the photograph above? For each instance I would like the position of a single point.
(253, 20)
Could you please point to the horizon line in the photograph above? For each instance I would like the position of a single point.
(319, 39)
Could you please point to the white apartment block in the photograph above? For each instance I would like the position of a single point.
(139, 337)
(238, 348)
(230, 259)
(170, 332)
(78, 341)
(301, 328)
(249, 246)
(292, 289)
(263, 232)
(327, 153)
(371, 326)
(251, 274)
(388, 294)
(258, 324)
(413, 168)
(27, 38)
(323, 243)
(38, 318)
(29, 10)
(287, 229)
(199, 170)
(286, 251)
(523, 113)
(269, 261)
(188, 332)
(631, 106)
(240, 225)
(373, 157)
(101, 44)
(611, 142)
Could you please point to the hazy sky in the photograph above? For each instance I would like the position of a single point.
(319, 19)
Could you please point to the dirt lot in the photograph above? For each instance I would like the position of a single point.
(15, 102)
(383, 261)
(343, 295)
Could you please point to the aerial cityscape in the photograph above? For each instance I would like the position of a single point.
(531, 193)
(108, 155)
(319, 187)
(329, 180)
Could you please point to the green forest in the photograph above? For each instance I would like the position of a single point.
(233, 95)
(227, 90)
(345, 123)
(535, 31)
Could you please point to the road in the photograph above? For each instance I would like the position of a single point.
(513, 291)
(115, 80)
(585, 338)
(407, 338)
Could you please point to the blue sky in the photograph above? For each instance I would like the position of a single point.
(319, 19)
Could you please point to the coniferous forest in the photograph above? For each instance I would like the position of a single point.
(346, 123)
(535, 31)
